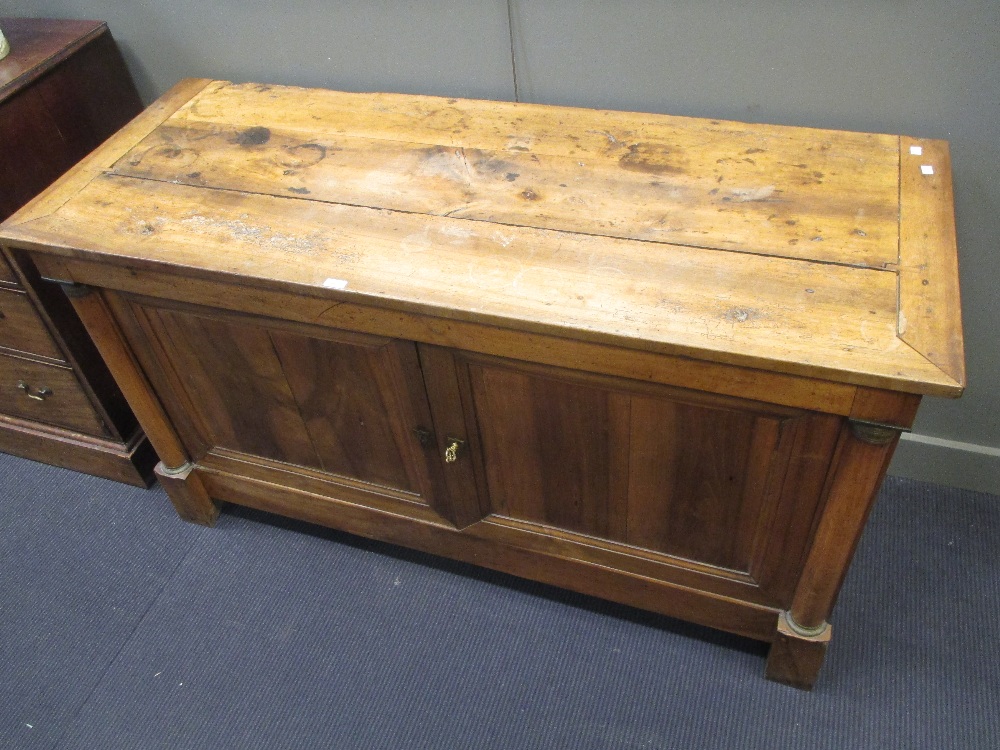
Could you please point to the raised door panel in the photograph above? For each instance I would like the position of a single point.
(348, 396)
(233, 378)
(550, 450)
(697, 478)
(338, 404)
(681, 478)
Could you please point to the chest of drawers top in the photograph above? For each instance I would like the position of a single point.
(38, 45)
(820, 253)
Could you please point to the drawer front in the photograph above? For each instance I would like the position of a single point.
(6, 272)
(22, 329)
(45, 393)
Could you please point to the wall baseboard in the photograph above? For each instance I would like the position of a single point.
(948, 462)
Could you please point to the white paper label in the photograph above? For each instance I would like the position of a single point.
(917, 150)
(926, 169)
(335, 284)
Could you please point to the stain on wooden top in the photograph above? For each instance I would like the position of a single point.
(764, 246)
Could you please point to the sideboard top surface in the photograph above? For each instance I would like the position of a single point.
(813, 252)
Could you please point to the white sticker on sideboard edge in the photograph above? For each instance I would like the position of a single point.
(917, 150)
(926, 169)
(335, 284)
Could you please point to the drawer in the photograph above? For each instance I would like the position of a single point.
(21, 328)
(6, 272)
(49, 394)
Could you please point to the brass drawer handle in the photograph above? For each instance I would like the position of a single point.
(451, 452)
(42, 393)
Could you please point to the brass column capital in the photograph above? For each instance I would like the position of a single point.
(874, 433)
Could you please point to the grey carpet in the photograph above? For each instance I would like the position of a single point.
(123, 627)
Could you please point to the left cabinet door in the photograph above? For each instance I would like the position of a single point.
(275, 397)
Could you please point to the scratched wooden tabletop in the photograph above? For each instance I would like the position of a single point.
(815, 252)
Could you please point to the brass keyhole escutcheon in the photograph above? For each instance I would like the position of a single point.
(452, 451)
(40, 395)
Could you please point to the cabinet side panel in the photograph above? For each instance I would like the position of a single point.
(91, 96)
(33, 153)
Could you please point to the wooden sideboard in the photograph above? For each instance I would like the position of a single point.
(63, 89)
(659, 360)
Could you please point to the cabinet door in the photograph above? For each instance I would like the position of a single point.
(344, 406)
(687, 479)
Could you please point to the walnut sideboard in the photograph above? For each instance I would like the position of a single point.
(660, 360)
(64, 88)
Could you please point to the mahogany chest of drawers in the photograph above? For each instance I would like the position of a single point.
(63, 89)
(659, 360)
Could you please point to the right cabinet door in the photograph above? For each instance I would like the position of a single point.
(696, 481)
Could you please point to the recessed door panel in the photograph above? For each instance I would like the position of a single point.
(342, 403)
(682, 474)
(550, 449)
(232, 376)
(352, 414)
(696, 479)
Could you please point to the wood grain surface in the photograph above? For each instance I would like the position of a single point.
(793, 316)
(930, 306)
(22, 330)
(759, 189)
(768, 247)
(66, 404)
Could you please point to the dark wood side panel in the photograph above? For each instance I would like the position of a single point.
(64, 115)
(33, 152)
(95, 93)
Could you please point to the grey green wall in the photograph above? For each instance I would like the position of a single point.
(928, 68)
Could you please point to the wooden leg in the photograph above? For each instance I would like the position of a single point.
(103, 328)
(795, 659)
(188, 494)
(860, 468)
(175, 470)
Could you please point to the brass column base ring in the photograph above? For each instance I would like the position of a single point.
(805, 632)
